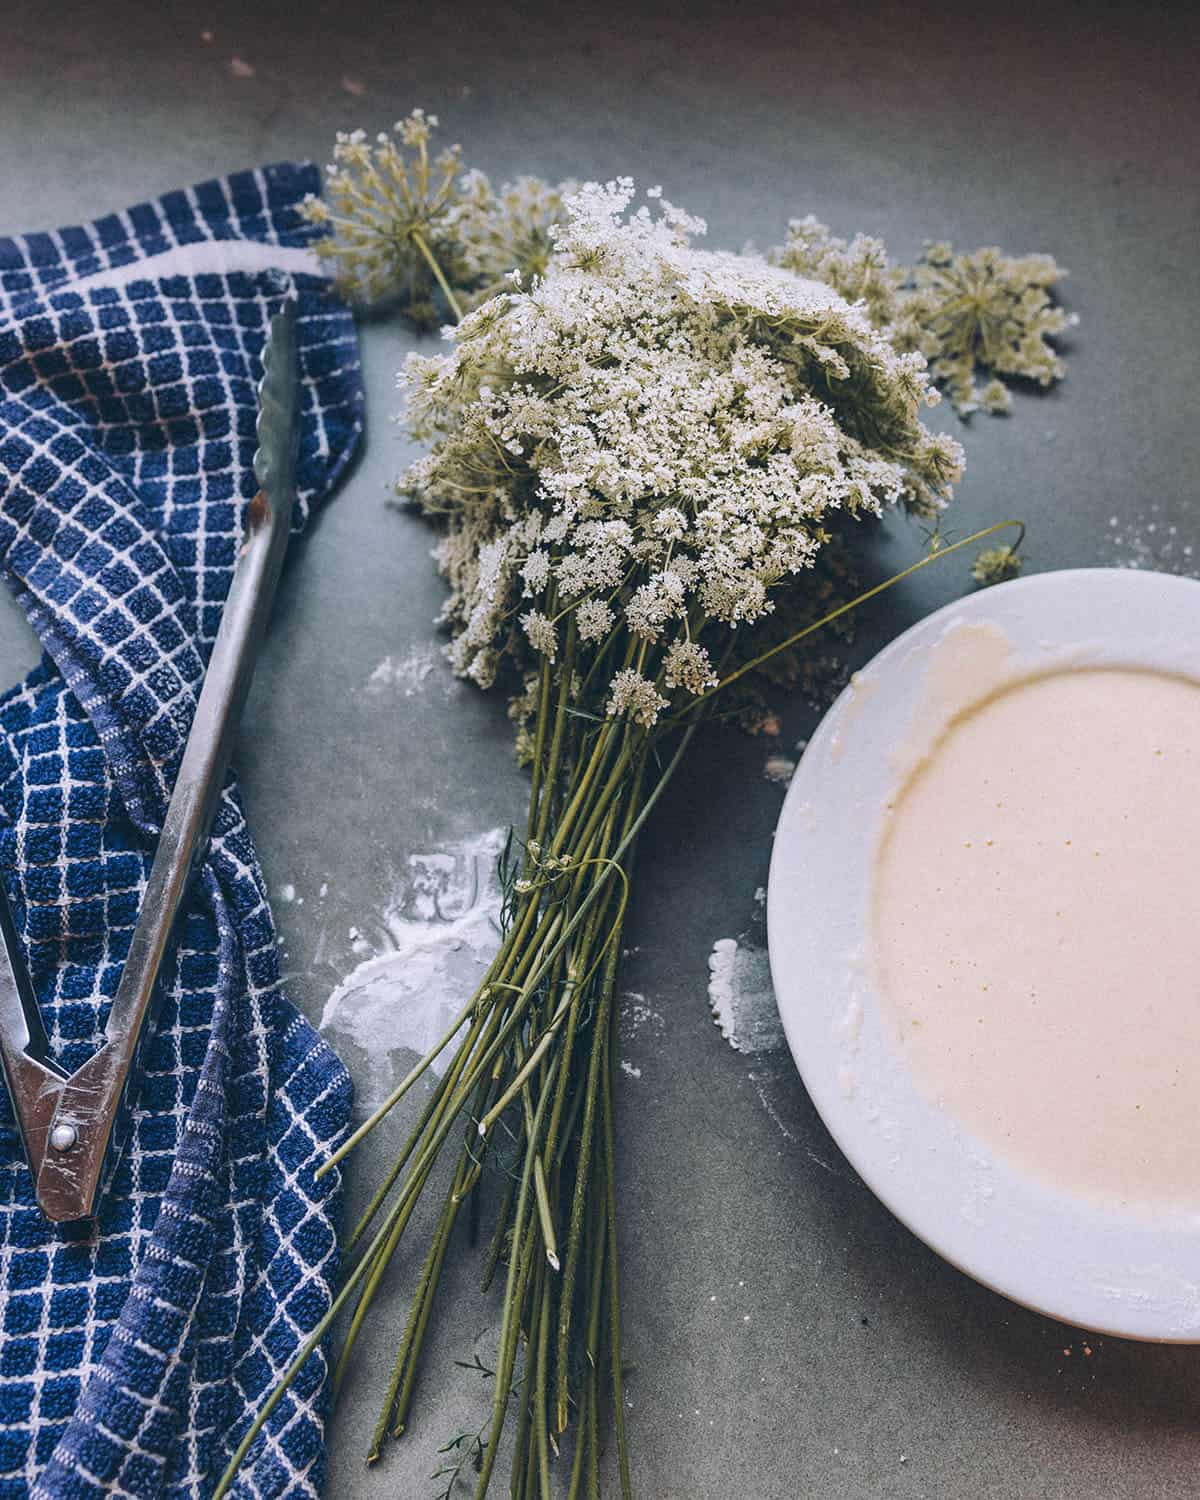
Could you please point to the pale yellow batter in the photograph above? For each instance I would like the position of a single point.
(1036, 929)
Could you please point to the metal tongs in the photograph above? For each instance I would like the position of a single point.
(74, 1125)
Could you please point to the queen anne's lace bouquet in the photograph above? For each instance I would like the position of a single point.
(637, 455)
(641, 455)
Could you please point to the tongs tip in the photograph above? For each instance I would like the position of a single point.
(277, 398)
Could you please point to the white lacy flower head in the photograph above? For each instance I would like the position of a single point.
(594, 619)
(635, 697)
(540, 632)
(687, 665)
(655, 439)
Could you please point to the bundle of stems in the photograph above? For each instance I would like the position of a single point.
(534, 1063)
(531, 1062)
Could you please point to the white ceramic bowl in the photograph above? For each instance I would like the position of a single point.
(1070, 1257)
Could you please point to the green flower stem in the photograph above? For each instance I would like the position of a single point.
(513, 950)
(568, 1047)
(601, 662)
(416, 1314)
(592, 1344)
(545, 1213)
(561, 718)
(566, 1133)
(632, 824)
(400, 1387)
(396, 1168)
(311, 1343)
(399, 1091)
(615, 784)
(614, 1304)
(554, 932)
(496, 1245)
(528, 1067)
(496, 974)
(380, 1260)
(474, 1158)
(560, 939)
(526, 1464)
(427, 1286)
(432, 1108)
(416, 1329)
(538, 764)
(541, 1431)
(480, 1032)
(549, 1160)
(579, 1204)
(541, 1191)
(520, 1260)
(580, 1194)
(524, 1461)
(582, 1438)
(481, 1061)
(584, 1468)
(431, 260)
(844, 609)
(595, 762)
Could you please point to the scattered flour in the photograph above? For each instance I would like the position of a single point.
(767, 1103)
(407, 673)
(434, 940)
(743, 1006)
(1145, 539)
(638, 1015)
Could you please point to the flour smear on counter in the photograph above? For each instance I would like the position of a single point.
(741, 996)
(409, 674)
(427, 951)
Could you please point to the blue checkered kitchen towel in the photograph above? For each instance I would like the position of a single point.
(134, 1353)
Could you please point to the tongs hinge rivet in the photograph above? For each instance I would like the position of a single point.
(63, 1137)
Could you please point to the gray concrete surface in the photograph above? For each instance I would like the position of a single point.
(790, 1338)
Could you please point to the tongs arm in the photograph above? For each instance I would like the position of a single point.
(72, 1149)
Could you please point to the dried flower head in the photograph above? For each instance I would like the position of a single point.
(984, 311)
(507, 235)
(688, 665)
(988, 311)
(391, 211)
(996, 565)
(635, 697)
(594, 619)
(540, 632)
(859, 268)
(657, 440)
